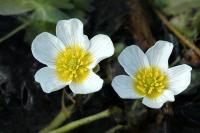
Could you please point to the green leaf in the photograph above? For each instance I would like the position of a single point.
(118, 48)
(15, 7)
(160, 3)
(61, 4)
(97, 68)
(175, 7)
(49, 14)
(183, 24)
(36, 28)
(82, 4)
(78, 14)
(196, 21)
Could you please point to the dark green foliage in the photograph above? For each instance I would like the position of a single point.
(43, 14)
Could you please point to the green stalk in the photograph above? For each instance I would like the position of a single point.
(116, 128)
(58, 120)
(61, 117)
(13, 32)
(83, 121)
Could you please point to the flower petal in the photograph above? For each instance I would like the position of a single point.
(158, 55)
(71, 32)
(123, 85)
(132, 58)
(45, 47)
(179, 78)
(101, 47)
(158, 102)
(48, 80)
(93, 83)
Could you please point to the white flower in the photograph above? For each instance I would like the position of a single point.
(149, 76)
(70, 57)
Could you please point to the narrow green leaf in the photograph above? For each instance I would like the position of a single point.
(15, 7)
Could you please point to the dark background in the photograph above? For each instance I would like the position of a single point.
(25, 108)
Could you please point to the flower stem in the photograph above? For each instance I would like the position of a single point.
(62, 116)
(13, 32)
(82, 121)
(116, 128)
(58, 120)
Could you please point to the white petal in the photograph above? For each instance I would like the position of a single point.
(45, 47)
(132, 58)
(101, 47)
(47, 78)
(71, 32)
(123, 85)
(92, 84)
(179, 78)
(158, 55)
(158, 102)
(86, 42)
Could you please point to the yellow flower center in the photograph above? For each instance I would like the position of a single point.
(72, 64)
(150, 82)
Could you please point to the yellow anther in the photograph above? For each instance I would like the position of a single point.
(139, 77)
(150, 82)
(150, 90)
(71, 66)
(161, 78)
(141, 89)
(156, 74)
(140, 83)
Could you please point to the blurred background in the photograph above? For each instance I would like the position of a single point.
(25, 108)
